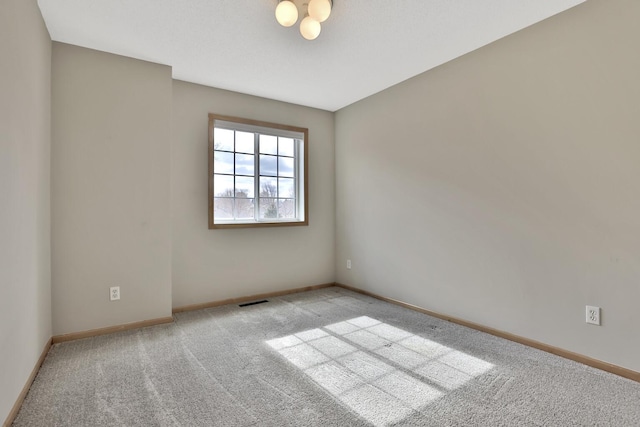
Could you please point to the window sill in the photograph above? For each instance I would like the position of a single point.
(253, 224)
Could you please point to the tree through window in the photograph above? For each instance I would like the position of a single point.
(257, 173)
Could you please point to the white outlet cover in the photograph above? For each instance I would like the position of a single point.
(114, 293)
(593, 315)
(349, 264)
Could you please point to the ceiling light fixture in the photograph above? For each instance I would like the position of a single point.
(287, 13)
(320, 9)
(317, 11)
(310, 28)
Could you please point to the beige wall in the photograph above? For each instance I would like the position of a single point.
(25, 256)
(514, 172)
(504, 187)
(210, 265)
(111, 226)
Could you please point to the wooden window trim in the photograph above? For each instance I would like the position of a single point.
(305, 161)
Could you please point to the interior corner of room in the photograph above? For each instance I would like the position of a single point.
(499, 189)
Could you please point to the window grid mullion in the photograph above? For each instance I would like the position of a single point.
(256, 177)
(277, 201)
(235, 212)
(296, 184)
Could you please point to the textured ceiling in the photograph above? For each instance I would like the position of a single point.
(365, 46)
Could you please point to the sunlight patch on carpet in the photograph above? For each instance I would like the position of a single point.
(363, 362)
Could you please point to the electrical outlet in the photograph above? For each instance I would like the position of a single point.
(348, 264)
(593, 315)
(114, 293)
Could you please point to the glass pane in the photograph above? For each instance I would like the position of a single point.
(286, 208)
(223, 186)
(244, 164)
(222, 208)
(285, 147)
(268, 208)
(269, 165)
(285, 166)
(222, 162)
(268, 187)
(286, 187)
(222, 139)
(244, 187)
(244, 209)
(244, 142)
(268, 144)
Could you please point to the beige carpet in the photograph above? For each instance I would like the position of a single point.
(322, 358)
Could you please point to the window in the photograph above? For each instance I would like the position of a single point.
(257, 173)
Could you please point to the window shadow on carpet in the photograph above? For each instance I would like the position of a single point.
(381, 372)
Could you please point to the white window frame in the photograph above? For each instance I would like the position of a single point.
(300, 135)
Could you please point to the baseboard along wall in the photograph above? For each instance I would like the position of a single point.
(598, 364)
(248, 298)
(585, 360)
(23, 394)
(110, 330)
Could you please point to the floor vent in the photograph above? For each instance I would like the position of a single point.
(246, 304)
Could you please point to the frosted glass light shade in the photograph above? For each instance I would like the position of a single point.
(287, 13)
(320, 9)
(310, 28)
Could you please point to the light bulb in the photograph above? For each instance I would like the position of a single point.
(310, 28)
(286, 13)
(320, 9)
